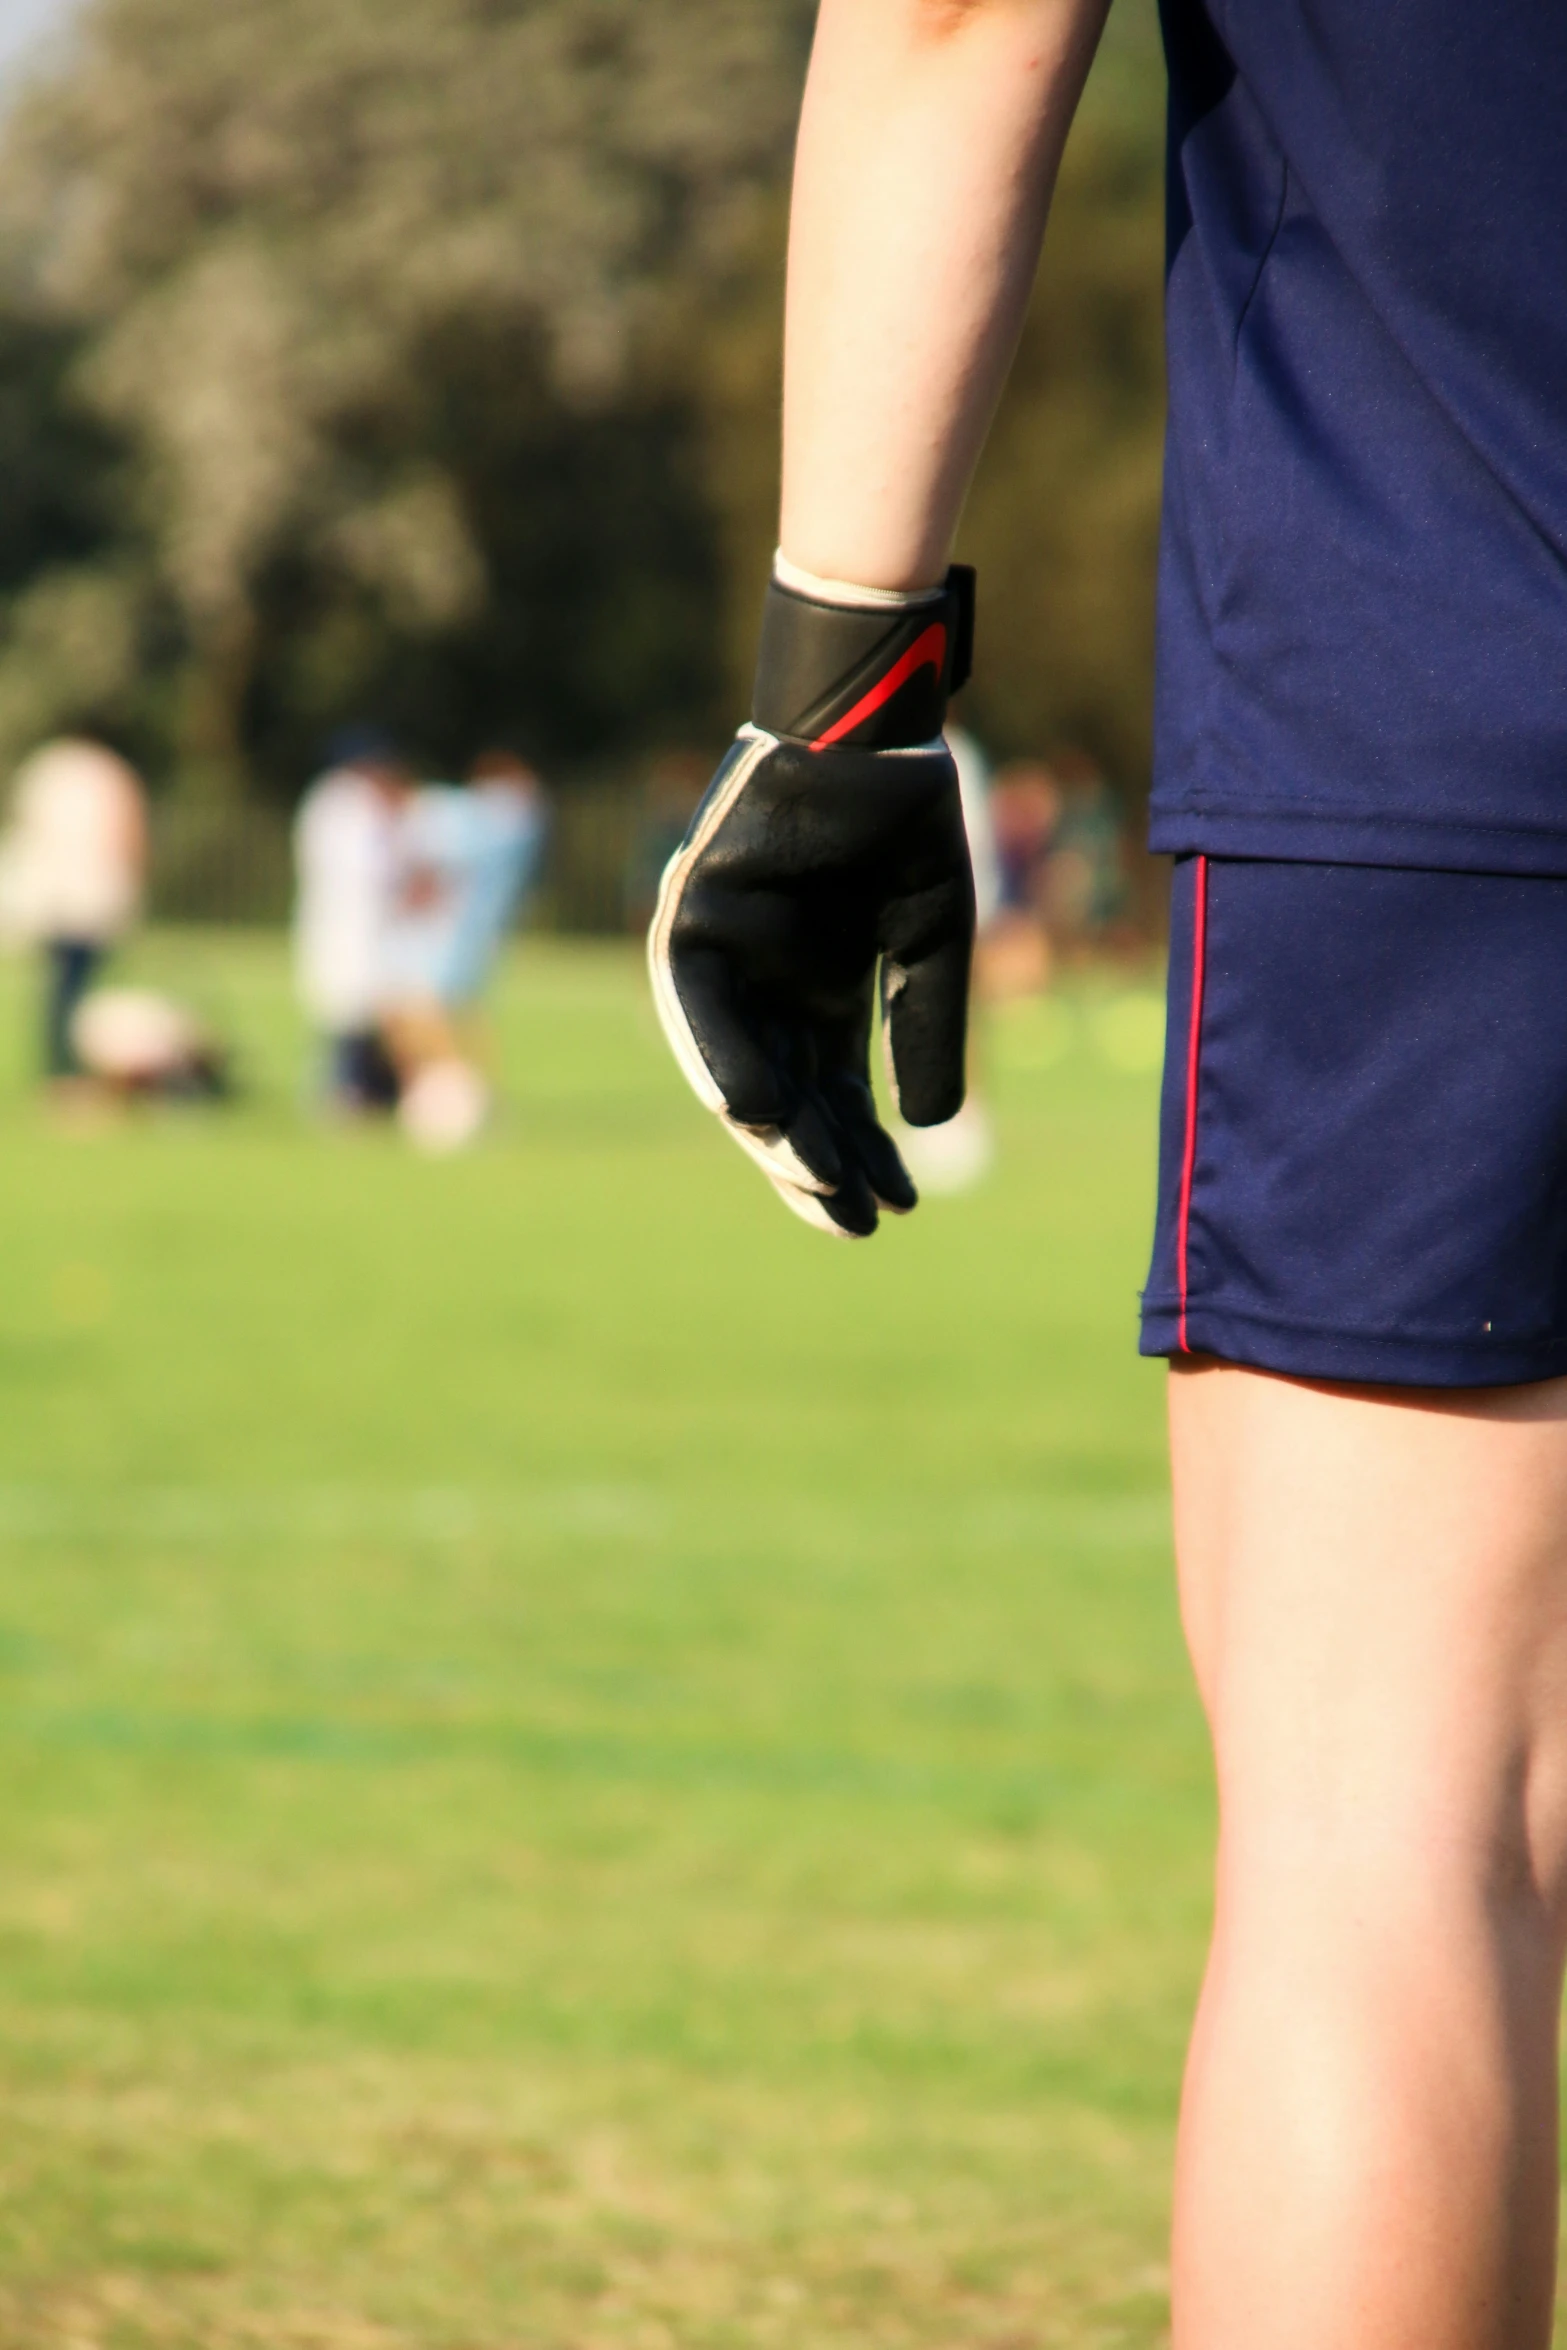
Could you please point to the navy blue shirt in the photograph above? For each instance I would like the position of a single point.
(1363, 585)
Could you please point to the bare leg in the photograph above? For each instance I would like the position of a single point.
(1375, 1593)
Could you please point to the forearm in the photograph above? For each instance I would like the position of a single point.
(929, 145)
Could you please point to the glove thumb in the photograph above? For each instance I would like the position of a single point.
(925, 1021)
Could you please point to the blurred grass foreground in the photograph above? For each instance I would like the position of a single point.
(581, 1768)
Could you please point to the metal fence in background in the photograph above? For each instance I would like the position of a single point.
(234, 864)
(588, 883)
(221, 864)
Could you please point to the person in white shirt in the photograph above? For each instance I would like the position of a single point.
(345, 862)
(72, 869)
(945, 1160)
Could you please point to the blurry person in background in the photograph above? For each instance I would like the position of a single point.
(1085, 883)
(1015, 956)
(345, 864)
(140, 1046)
(948, 1159)
(72, 867)
(511, 822)
(465, 858)
(975, 781)
(674, 785)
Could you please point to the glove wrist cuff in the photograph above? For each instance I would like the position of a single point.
(844, 592)
(861, 668)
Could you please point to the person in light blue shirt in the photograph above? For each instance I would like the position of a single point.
(508, 826)
(466, 857)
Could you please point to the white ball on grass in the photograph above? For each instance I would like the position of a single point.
(444, 1108)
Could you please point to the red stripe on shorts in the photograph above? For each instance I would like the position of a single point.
(1193, 1065)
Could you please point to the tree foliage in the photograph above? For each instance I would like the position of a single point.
(1063, 523)
(420, 357)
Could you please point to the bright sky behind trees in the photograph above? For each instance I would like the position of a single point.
(24, 23)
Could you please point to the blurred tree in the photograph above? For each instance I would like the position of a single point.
(420, 358)
(63, 478)
(285, 228)
(1064, 519)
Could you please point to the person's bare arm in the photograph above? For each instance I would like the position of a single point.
(928, 151)
(827, 867)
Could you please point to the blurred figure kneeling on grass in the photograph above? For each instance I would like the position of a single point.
(136, 1045)
(73, 863)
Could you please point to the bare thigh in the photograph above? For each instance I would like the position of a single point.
(1374, 1585)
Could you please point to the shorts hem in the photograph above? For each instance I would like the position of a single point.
(1358, 1358)
(1329, 837)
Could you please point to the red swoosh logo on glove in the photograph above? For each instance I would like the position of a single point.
(927, 652)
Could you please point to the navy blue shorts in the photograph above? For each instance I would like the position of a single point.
(1363, 1145)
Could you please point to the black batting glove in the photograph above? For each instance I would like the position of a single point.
(830, 842)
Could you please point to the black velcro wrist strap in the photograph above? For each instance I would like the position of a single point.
(870, 677)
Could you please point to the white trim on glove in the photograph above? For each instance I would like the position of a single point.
(799, 1189)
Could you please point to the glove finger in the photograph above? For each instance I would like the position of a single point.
(844, 1205)
(722, 1055)
(853, 1205)
(885, 1172)
(925, 1019)
(817, 1144)
(726, 1060)
(810, 1207)
(855, 1110)
(805, 1154)
(846, 1214)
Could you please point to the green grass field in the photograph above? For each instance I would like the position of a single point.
(583, 1769)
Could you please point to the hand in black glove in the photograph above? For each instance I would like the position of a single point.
(830, 840)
